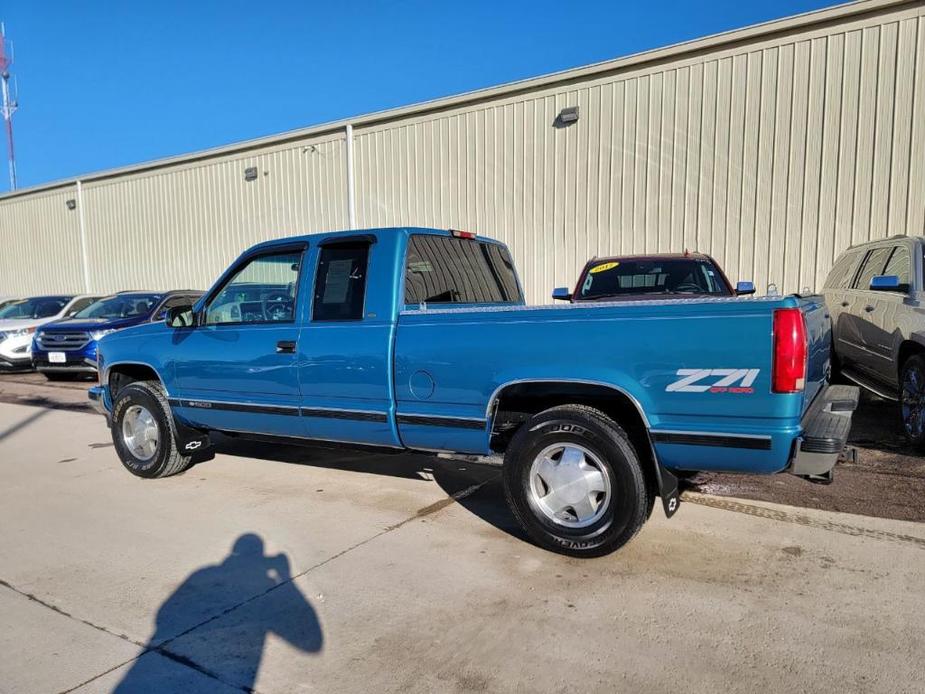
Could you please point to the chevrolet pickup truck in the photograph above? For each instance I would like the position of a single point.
(419, 339)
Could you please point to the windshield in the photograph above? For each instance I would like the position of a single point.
(128, 306)
(37, 307)
(655, 276)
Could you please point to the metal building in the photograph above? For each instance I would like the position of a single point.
(772, 148)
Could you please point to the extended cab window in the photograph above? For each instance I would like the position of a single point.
(872, 267)
(340, 287)
(263, 291)
(447, 270)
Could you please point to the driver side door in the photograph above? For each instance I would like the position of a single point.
(236, 368)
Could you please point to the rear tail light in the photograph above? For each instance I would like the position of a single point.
(462, 234)
(789, 367)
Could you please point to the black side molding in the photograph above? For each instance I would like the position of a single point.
(345, 414)
(234, 407)
(456, 422)
(718, 440)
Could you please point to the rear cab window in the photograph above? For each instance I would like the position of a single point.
(458, 271)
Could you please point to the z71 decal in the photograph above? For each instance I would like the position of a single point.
(714, 381)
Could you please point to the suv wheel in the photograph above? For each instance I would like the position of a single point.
(574, 482)
(912, 399)
(143, 431)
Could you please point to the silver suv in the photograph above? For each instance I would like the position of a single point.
(875, 295)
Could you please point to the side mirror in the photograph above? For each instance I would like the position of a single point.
(561, 294)
(743, 288)
(180, 317)
(886, 283)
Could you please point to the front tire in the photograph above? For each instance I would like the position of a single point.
(574, 482)
(143, 431)
(912, 399)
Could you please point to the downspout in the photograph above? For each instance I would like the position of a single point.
(351, 199)
(83, 237)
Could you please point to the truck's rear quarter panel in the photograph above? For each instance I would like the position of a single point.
(700, 372)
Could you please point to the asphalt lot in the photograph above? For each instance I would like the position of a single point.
(284, 569)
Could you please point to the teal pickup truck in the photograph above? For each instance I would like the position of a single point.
(419, 339)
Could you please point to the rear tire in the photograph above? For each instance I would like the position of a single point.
(574, 482)
(143, 431)
(912, 400)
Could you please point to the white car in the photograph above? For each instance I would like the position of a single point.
(19, 320)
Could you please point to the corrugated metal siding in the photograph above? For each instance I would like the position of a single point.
(772, 151)
(40, 245)
(180, 229)
(772, 157)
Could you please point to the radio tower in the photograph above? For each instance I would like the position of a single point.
(9, 104)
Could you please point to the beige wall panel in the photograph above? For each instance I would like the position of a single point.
(40, 245)
(772, 156)
(179, 229)
(915, 208)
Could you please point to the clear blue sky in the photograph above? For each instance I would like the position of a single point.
(104, 84)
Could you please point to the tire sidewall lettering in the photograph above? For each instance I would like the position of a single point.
(132, 395)
(565, 431)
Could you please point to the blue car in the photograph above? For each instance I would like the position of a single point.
(66, 348)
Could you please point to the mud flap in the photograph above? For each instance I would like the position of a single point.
(192, 442)
(668, 490)
(667, 485)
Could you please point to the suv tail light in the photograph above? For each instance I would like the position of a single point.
(788, 371)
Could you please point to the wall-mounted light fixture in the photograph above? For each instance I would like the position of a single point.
(250, 173)
(71, 204)
(567, 116)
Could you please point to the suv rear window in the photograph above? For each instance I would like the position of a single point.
(447, 270)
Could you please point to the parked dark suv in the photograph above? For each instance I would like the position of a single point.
(874, 294)
(67, 348)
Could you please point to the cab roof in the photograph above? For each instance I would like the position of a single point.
(357, 233)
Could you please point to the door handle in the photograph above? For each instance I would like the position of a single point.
(868, 308)
(285, 347)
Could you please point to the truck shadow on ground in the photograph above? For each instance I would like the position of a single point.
(455, 478)
(217, 622)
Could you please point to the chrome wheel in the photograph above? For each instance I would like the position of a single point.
(569, 485)
(140, 432)
(912, 401)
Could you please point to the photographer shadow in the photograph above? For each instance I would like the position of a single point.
(217, 622)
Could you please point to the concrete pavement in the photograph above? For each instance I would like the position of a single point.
(285, 570)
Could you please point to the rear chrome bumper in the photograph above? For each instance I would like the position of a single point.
(826, 426)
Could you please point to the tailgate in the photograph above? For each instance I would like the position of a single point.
(819, 345)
